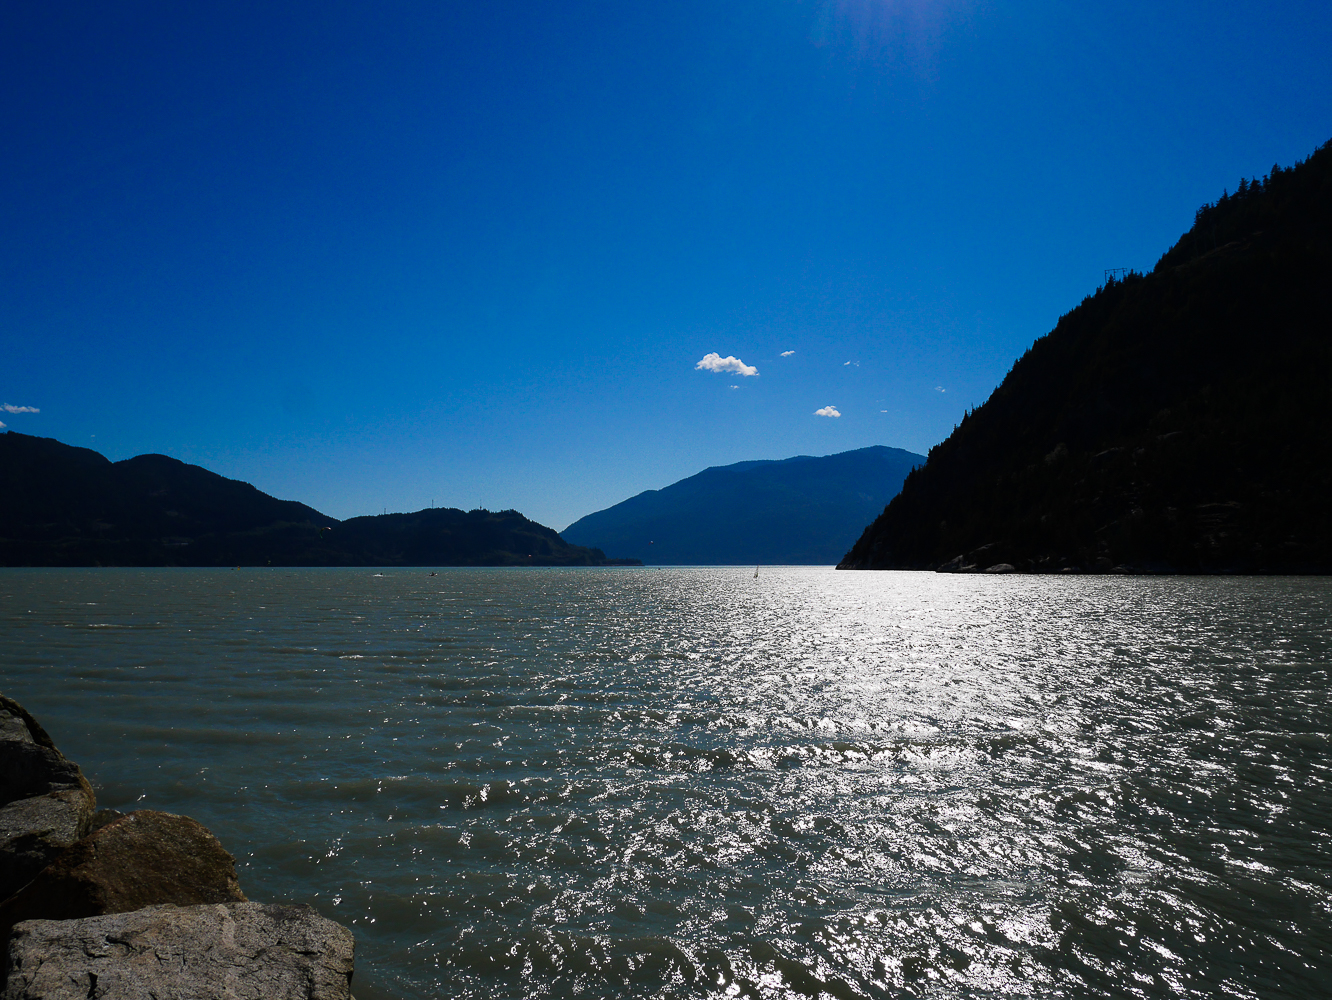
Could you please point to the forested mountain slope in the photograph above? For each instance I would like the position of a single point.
(1173, 422)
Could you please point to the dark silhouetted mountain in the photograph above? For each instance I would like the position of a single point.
(801, 510)
(451, 537)
(66, 506)
(1176, 421)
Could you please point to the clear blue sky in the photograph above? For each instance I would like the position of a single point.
(374, 255)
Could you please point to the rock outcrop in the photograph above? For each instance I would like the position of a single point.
(136, 906)
(141, 859)
(241, 951)
(46, 804)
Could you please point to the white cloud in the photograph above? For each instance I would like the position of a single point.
(735, 387)
(828, 411)
(714, 362)
(787, 354)
(11, 408)
(3, 425)
(883, 411)
(939, 388)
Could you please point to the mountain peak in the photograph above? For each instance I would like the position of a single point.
(804, 509)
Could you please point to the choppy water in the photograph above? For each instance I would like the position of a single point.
(675, 782)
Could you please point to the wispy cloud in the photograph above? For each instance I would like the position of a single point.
(11, 408)
(787, 354)
(845, 363)
(939, 388)
(735, 387)
(3, 425)
(714, 362)
(828, 411)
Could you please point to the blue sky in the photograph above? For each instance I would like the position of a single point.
(377, 256)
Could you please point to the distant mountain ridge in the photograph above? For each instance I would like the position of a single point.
(1176, 421)
(67, 506)
(801, 510)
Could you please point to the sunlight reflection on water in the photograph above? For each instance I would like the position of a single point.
(666, 782)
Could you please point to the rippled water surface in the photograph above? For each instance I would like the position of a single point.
(639, 782)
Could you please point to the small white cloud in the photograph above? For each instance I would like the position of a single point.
(883, 411)
(939, 388)
(3, 424)
(828, 411)
(787, 354)
(735, 387)
(714, 362)
(11, 408)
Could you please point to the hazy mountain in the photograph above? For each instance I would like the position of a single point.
(1174, 421)
(66, 506)
(800, 510)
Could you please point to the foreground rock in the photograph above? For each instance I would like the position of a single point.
(141, 859)
(240, 951)
(46, 803)
(140, 905)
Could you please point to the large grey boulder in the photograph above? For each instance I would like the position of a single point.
(143, 858)
(236, 951)
(46, 803)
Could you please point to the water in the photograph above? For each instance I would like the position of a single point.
(638, 782)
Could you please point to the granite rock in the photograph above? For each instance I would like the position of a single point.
(142, 859)
(46, 803)
(17, 723)
(237, 951)
(103, 817)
